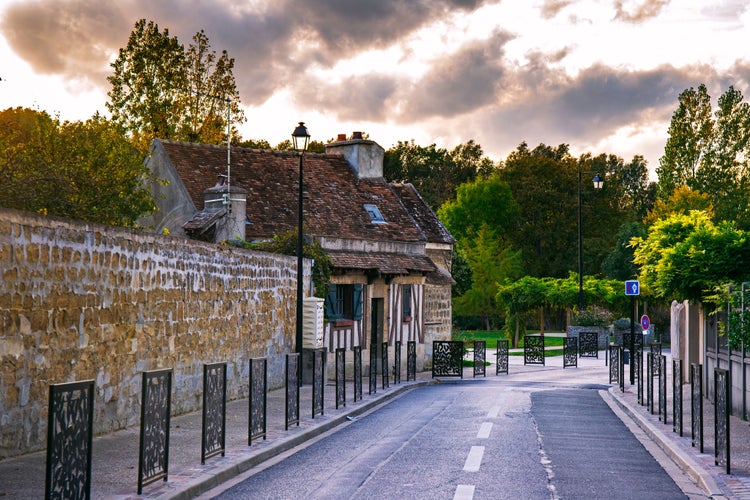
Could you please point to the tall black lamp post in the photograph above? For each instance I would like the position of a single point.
(598, 183)
(301, 138)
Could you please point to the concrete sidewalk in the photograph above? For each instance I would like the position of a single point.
(115, 456)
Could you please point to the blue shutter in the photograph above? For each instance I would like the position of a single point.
(357, 302)
(330, 304)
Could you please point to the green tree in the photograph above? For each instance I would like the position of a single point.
(79, 170)
(159, 89)
(686, 256)
(619, 263)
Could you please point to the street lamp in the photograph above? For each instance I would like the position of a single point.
(301, 138)
(598, 183)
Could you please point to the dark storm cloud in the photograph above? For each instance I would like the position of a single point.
(460, 82)
(360, 98)
(272, 44)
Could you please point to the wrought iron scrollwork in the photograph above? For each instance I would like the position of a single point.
(156, 396)
(501, 361)
(570, 352)
(614, 363)
(69, 438)
(214, 410)
(677, 396)
(696, 405)
(411, 360)
(480, 355)
(397, 362)
(340, 377)
(721, 418)
(447, 358)
(318, 381)
(650, 382)
(663, 388)
(357, 373)
(292, 390)
(588, 345)
(655, 353)
(533, 350)
(384, 360)
(257, 399)
(373, 369)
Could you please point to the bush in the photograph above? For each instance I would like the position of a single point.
(622, 324)
(593, 316)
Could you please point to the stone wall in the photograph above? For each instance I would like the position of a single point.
(89, 302)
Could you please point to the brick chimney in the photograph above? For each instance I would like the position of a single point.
(364, 156)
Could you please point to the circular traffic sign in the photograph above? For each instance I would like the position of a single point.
(645, 322)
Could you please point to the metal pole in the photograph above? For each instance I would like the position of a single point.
(580, 245)
(298, 333)
(632, 339)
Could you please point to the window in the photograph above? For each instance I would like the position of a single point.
(375, 216)
(344, 302)
(406, 302)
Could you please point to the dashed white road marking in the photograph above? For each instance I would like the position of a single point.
(464, 492)
(474, 460)
(494, 411)
(484, 430)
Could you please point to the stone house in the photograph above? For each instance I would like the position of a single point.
(391, 255)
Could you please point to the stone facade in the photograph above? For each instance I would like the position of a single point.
(88, 302)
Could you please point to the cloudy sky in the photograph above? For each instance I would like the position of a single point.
(599, 75)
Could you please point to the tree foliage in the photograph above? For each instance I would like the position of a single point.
(708, 152)
(686, 256)
(435, 172)
(160, 89)
(79, 170)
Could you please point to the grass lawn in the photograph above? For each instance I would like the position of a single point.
(491, 337)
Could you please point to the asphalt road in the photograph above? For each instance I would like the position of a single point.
(476, 439)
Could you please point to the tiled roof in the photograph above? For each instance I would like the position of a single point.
(423, 215)
(387, 263)
(334, 198)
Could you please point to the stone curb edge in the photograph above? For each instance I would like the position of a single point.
(216, 478)
(702, 478)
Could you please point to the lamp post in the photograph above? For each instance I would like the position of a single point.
(598, 183)
(301, 138)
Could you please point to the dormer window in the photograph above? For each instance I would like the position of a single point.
(375, 216)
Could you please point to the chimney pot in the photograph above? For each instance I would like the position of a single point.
(341, 137)
(356, 136)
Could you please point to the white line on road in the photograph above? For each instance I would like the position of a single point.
(484, 430)
(464, 492)
(493, 412)
(474, 460)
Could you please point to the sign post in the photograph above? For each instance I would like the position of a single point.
(632, 288)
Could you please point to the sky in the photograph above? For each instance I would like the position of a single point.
(602, 76)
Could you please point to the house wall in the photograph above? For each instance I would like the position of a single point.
(84, 301)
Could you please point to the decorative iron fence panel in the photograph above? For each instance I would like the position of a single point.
(70, 426)
(411, 360)
(663, 388)
(384, 355)
(650, 382)
(292, 390)
(340, 377)
(614, 363)
(357, 373)
(373, 369)
(214, 410)
(533, 350)
(501, 357)
(447, 358)
(655, 353)
(588, 345)
(397, 362)
(156, 400)
(639, 371)
(677, 396)
(722, 410)
(696, 405)
(318, 381)
(480, 355)
(257, 409)
(570, 352)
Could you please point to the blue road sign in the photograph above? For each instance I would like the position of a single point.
(645, 322)
(632, 287)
